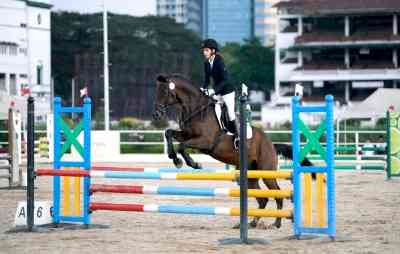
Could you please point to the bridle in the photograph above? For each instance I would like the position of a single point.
(163, 108)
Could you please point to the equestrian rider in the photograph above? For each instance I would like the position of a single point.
(214, 68)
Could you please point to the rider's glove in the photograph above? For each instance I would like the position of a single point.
(204, 90)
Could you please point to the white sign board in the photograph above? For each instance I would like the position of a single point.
(105, 146)
(367, 84)
(42, 213)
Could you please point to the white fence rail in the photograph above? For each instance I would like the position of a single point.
(141, 138)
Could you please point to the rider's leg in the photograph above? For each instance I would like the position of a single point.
(229, 100)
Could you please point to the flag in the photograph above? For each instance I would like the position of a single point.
(25, 91)
(84, 91)
(298, 91)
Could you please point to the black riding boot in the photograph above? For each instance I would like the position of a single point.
(234, 128)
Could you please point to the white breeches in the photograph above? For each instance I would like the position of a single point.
(229, 100)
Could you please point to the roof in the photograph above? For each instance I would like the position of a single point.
(326, 7)
(38, 3)
(8, 43)
(328, 36)
(374, 106)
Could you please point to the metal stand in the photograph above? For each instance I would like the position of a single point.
(243, 181)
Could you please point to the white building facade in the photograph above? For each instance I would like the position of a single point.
(25, 52)
(265, 19)
(339, 47)
(187, 12)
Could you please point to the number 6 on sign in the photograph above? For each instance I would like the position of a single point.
(43, 213)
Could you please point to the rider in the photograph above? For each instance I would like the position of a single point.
(214, 67)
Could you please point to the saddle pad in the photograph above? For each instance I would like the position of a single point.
(218, 112)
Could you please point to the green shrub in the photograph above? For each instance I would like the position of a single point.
(130, 123)
(159, 124)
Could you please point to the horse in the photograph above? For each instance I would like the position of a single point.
(200, 130)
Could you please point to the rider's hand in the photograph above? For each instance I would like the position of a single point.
(204, 90)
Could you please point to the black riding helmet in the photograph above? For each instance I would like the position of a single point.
(209, 43)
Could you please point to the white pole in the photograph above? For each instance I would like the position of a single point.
(73, 95)
(337, 135)
(28, 51)
(51, 95)
(106, 77)
(73, 92)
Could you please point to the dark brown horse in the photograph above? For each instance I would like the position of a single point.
(199, 129)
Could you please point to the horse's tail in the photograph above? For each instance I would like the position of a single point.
(287, 152)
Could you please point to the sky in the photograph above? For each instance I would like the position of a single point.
(131, 7)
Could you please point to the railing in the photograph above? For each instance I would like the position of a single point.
(3, 142)
(350, 142)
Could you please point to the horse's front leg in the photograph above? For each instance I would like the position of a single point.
(189, 160)
(170, 135)
(198, 143)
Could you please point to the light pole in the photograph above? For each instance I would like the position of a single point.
(106, 70)
(28, 50)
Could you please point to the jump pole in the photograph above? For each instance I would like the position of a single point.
(243, 181)
(30, 165)
(243, 167)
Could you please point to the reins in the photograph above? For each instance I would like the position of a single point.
(200, 110)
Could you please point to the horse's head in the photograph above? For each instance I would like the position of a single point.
(173, 90)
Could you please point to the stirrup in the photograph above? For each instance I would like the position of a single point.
(236, 143)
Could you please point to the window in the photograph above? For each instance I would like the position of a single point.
(13, 84)
(3, 81)
(13, 50)
(3, 49)
(23, 51)
(39, 73)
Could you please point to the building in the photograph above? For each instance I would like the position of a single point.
(188, 12)
(345, 48)
(224, 20)
(265, 19)
(25, 65)
(237, 20)
(228, 20)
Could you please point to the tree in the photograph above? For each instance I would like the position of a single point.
(250, 63)
(139, 49)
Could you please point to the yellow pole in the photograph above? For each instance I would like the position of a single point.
(307, 202)
(321, 213)
(77, 196)
(263, 193)
(66, 193)
(263, 213)
(232, 175)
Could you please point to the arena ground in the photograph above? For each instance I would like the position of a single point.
(368, 221)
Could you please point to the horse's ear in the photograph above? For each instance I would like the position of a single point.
(162, 79)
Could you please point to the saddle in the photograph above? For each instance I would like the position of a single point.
(221, 112)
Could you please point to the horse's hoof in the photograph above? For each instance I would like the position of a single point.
(253, 224)
(270, 226)
(197, 166)
(178, 163)
(236, 226)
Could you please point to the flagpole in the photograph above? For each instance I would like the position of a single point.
(73, 94)
(106, 76)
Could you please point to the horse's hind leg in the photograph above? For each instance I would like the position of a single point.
(272, 184)
(189, 160)
(262, 202)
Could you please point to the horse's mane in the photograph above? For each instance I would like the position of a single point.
(180, 76)
(192, 86)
